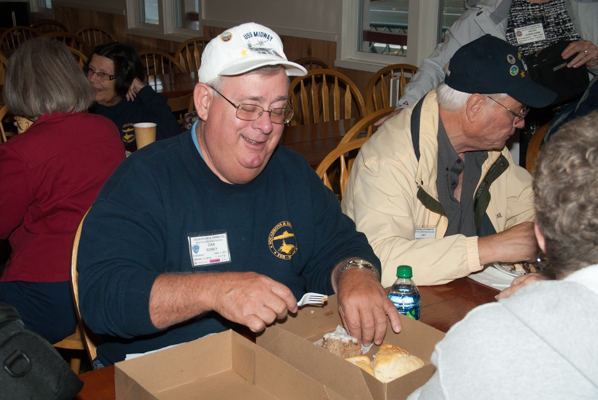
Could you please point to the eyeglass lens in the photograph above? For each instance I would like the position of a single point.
(251, 112)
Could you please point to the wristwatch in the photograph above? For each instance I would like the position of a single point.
(360, 264)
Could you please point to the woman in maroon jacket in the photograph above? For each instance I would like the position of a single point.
(49, 176)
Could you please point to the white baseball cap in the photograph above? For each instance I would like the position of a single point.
(242, 49)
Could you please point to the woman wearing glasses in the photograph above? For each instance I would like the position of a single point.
(117, 78)
(51, 173)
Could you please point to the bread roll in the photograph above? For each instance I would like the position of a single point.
(362, 362)
(392, 362)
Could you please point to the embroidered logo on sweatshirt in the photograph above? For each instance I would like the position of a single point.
(282, 241)
(128, 133)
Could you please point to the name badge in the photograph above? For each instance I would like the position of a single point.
(530, 33)
(208, 248)
(425, 233)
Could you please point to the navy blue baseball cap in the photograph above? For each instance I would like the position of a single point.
(490, 65)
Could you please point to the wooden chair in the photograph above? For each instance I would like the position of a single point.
(48, 25)
(12, 38)
(3, 112)
(377, 93)
(533, 147)
(335, 168)
(159, 62)
(181, 105)
(366, 125)
(70, 39)
(90, 339)
(73, 342)
(95, 36)
(3, 65)
(311, 63)
(324, 95)
(189, 53)
(79, 57)
(78, 340)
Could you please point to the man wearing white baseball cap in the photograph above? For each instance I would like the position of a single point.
(219, 226)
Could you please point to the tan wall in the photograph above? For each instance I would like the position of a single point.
(294, 47)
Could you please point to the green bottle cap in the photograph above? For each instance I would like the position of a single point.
(404, 271)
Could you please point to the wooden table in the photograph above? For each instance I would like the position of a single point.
(173, 85)
(315, 141)
(442, 307)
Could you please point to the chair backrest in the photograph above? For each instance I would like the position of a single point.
(95, 36)
(70, 39)
(3, 65)
(311, 63)
(181, 105)
(48, 25)
(12, 38)
(335, 168)
(3, 112)
(79, 57)
(533, 147)
(324, 95)
(189, 53)
(365, 126)
(159, 62)
(90, 339)
(377, 93)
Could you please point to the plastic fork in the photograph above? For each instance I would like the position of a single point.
(312, 298)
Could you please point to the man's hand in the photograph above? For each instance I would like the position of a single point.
(363, 306)
(135, 87)
(247, 298)
(586, 51)
(520, 282)
(517, 243)
(252, 299)
(383, 119)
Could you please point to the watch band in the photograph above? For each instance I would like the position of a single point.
(360, 264)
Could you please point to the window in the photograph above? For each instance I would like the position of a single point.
(384, 26)
(164, 19)
(187, 14)
(41, 8)
(376, 33)
(148, 12)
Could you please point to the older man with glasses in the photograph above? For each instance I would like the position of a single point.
(219, 226)
(436, 188)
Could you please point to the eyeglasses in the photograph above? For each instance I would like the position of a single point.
(251, 112)
(518, 117)
(101, 75)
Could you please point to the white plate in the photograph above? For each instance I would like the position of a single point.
(506, 268)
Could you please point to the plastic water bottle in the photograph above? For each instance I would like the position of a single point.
(404, 294)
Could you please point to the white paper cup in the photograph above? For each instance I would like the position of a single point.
(145, 133)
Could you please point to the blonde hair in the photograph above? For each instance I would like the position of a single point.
(43, 77)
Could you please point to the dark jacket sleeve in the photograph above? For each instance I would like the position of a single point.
(156, 109)
(119, 256)
(335, 238)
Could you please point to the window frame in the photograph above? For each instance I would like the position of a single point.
(421, 40)
(166, 27)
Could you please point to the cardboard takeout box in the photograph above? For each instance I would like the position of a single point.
(222, 366)
(292, 341)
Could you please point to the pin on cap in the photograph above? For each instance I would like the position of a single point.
(242, 49)
(489, 65)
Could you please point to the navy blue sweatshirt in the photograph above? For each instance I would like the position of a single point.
(284, 224)
(148, 106)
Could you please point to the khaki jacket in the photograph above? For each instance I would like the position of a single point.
(390, 194)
